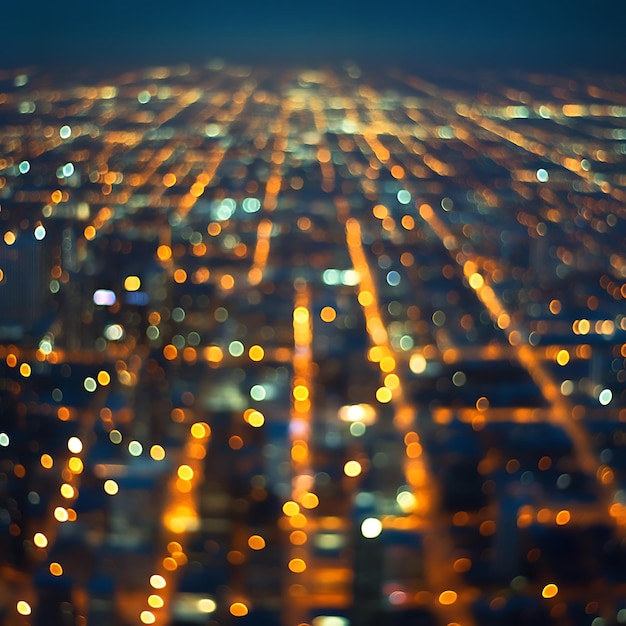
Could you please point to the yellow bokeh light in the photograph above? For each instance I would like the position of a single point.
(309, 500)
(503, 321)
(291, 508)
(383, 395)
(301, 315)
(298, 521)
(297, 566)
(256, 542)
(563, 517)
(75, 465)
(67, 491)
(199, 430)
(397, 171)
(180, 276)
(300, 392)
(56, 569)
(197, 189)
(170, 564)
(380, 211)
(74, 445)
(238, 609)
(157, 452)
(185, 472)
(60, 514)
(447, 597)
(409, 224)
(46, 461)
(23, 608)
(174, 546)
(392, 381)
(164, 253)
(104, 378)
(63, 413)
(132, 283)
(169, 179)
(562, 357)
(155, 601)
(213, 354)
(170, 352)
(300, 452)
(111, 487)
(214, 229)
(476, 281)
(414, 450)
(157, 581)
(298, 537)
(206, 605)
(328, 314)
(227, 282)
(555, 307)
(40, 540)
(375, 354)
(365, 298)
(387, 364)
(256, 419)
(417, 363)
(352, 468)
(550, 590)
(147, 617)
(256, 353)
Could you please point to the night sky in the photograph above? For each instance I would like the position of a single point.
(537, 34)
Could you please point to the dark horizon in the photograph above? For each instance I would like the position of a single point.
(523, 35)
